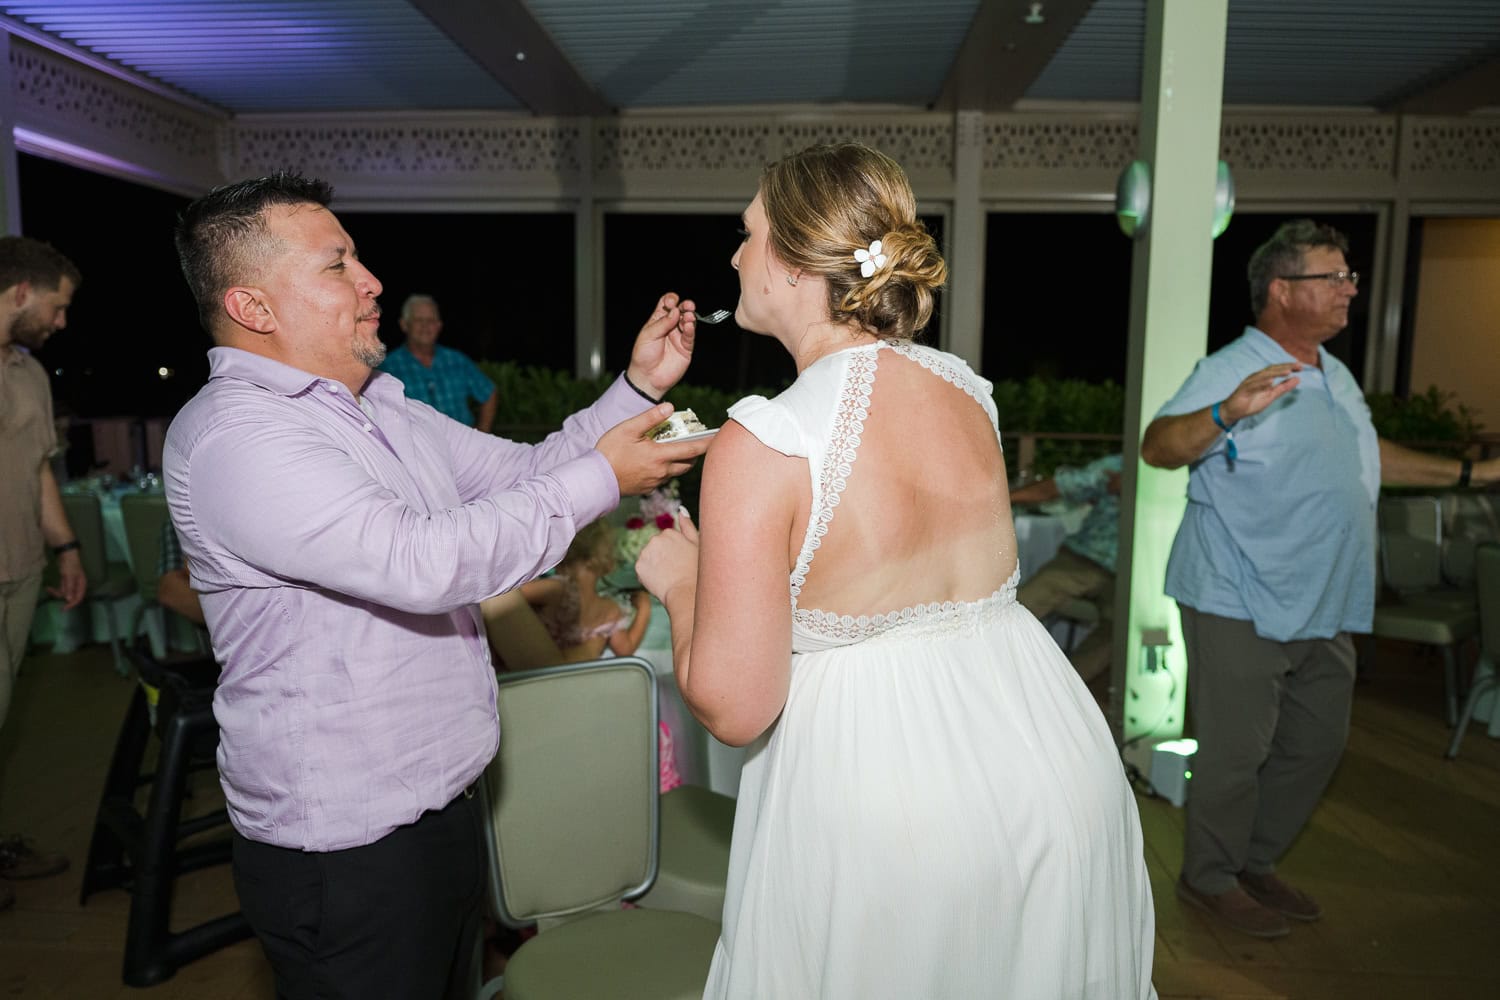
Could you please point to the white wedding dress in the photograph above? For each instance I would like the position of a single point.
(940, 811)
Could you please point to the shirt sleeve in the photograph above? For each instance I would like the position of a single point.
(289, 506)
(1212, 380)
(486, 463)
(480, 385)
(1088, 483)
(168, 550)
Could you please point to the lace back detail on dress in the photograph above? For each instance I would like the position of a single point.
(843, 444)
(829, 482)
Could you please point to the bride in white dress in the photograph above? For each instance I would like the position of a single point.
(932, 806)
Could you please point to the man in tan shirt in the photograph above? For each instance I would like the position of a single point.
(36, 287)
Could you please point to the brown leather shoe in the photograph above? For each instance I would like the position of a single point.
(20, 860)
(1271, 892)
(1236, 909)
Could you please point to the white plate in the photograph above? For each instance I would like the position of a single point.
(695, 436)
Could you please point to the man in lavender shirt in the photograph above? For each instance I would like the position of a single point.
(340, 535)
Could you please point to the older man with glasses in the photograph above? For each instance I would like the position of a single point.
(1273, 568)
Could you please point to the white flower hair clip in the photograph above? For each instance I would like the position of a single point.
(870, 260)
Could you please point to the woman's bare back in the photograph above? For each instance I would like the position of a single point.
(924, 513)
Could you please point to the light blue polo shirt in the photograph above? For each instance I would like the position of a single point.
(1284, 536)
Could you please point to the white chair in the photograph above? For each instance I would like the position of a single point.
(108, 581)
(1426, 610)
(572, 829)
(143, 515)
(1469, 520)
(697, 826)
(1487, 577)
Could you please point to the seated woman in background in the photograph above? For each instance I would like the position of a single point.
(584, 623)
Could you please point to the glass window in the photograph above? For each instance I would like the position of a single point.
(1056, 297)
(133, 316)
(504, 282)
(646, 254)
(1229, 304)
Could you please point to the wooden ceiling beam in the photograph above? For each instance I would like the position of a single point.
(505, 39)
(1003, 53)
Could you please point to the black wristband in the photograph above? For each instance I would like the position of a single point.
(1464, 471)
(639, 391)
(58, 550)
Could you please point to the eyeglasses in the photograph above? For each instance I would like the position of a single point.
(1334, 278)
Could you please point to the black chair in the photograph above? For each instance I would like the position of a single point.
(139, 850)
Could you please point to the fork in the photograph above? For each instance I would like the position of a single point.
(717, 316)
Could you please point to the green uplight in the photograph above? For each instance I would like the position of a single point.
(1183, 748)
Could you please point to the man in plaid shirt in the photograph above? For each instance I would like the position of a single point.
(439, 376)
(173, 590)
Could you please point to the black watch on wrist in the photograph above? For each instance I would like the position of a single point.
(58, 550)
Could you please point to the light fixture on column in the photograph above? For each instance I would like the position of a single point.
(1133, 198)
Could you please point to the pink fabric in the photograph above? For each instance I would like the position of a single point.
(667, 756)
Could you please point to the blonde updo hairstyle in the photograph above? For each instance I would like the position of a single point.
(826, 202)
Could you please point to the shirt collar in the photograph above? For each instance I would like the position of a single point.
(17, 355)
(1274, 353)
(283, 379)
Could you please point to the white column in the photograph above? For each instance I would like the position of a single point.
(1181, 98)
(588, 267)
(10, 187)
(964, 299)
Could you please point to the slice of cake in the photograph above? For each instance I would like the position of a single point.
(679, 424)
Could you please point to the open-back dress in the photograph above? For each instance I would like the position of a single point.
(939, 811)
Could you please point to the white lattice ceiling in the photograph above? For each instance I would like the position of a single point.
(598, 56)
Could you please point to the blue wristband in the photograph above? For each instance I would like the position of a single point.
(1231, 453)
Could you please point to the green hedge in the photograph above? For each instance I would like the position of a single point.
(1061, 406)
(534, 401)
(1431, 420)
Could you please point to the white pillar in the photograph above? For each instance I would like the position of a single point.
(1181, 98)
(10, 187)
(964, 301)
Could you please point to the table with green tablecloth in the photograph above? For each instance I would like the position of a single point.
(65, 631)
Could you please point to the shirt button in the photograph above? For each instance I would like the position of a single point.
(368, 426)
(330, 387)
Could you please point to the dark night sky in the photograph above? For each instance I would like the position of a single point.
(1057, 289)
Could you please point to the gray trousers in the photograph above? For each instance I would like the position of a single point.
(17, 605)
(1271, 720)
(1068, 575)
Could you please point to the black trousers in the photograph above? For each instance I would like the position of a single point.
(398, 918)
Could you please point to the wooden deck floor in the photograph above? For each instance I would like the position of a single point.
(1404, 854)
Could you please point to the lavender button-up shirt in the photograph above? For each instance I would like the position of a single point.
(339, 548)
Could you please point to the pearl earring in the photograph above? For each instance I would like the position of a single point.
(791, 280)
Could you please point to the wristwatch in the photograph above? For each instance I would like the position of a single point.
(58, 550)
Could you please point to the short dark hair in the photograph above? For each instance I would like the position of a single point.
(1282, 254)
(25, 259)
(215, 233)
